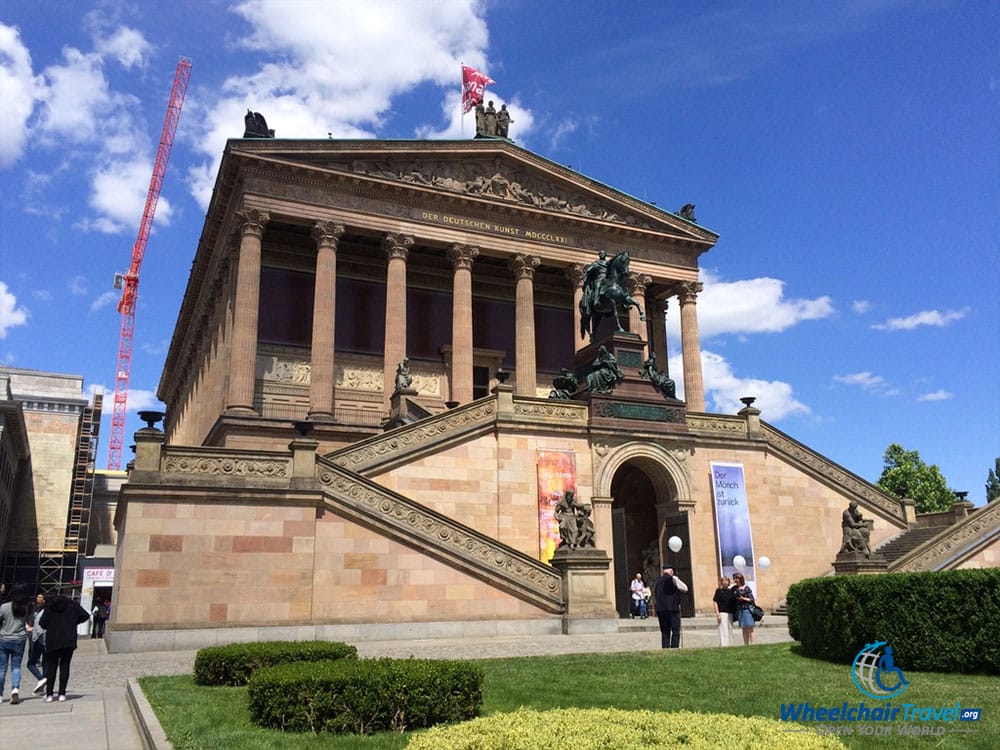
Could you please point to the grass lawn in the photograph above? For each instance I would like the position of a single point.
(744, 681)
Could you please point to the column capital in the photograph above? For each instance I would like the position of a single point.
(523, 265)
(461, 256)
(688, 291)
(327, 233)
(397, 245)
(252, 222)
(637, 283)
(574, 274)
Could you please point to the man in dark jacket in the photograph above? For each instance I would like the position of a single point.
(667, 593)
(60, 619)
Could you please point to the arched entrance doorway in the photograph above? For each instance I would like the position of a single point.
(645, 513)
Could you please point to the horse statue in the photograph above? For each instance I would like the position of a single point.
(605, 293)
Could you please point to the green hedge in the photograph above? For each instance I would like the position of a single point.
(935, 622)
(365, 696)
(235, 663)
(602, 728)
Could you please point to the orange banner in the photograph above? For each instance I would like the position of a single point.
(556, 475)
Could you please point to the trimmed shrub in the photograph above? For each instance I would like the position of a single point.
(601, 728)
(365, 696)
(235, 663)
(935, 622)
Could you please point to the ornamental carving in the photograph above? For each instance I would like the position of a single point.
(498, 182)
(284, 370)
(377, 450)
(411, 520)
(226, 466)
(359, 378)
(548, 410)
(728, 425)
(956, 540)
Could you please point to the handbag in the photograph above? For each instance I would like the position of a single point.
(757, 613)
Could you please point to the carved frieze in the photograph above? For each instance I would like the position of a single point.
(549, 410)
(955, 541)
(226, 466)
(497, 181)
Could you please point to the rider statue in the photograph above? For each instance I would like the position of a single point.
(605, 292)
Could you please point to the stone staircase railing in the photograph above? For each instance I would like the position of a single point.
(413, 524)
(866, 493)
(979, 528)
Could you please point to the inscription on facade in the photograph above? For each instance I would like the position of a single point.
(493, 227)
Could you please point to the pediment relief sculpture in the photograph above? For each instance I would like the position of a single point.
(498, 182)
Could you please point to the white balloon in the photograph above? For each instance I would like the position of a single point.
(764, 563)
(675, 543)
(739, 562)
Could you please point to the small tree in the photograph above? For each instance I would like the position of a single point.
(905, 475)
(993, 483)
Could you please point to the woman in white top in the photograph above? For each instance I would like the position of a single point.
(639, 605)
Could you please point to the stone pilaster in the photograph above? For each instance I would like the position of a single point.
(574, 274)
(694, 388)
(327, 235)
(526, 370)
(461, 257)
(243, 354)
(397, 250)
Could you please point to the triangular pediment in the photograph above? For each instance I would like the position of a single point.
(492, 170)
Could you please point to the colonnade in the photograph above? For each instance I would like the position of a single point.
(326, 234)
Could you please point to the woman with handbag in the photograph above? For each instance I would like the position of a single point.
(744, 603)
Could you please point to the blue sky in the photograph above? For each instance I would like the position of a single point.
(846, 153)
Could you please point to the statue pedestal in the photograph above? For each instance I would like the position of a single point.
(587, 590)
(400, 408)
(855, 563)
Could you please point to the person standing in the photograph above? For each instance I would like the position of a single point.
(100, 616)
(15, 626)
(638, 589)
(36, 645)
(60, 619)
(667, 595)
(744, 601)
(725, 611)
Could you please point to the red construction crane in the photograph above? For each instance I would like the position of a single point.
(129, 282)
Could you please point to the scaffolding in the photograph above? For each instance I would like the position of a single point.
(50, 570)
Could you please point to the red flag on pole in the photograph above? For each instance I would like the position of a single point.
(474, 86)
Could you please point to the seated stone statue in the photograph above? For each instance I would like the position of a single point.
(856, 531)
(606, 373)
(660, 381)
(403, 376)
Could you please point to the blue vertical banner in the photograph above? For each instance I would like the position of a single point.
(732, 519)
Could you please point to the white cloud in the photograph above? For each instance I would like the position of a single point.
(752, 306)
(126, 45)
(868, 382)
(108, 298)
(724, 389)
(334, 67)
(118, 194)
(11, 314)
(17, 92)
(77, 285)
(924, 318)
(140, 399)
(861, 306)
(938, 395)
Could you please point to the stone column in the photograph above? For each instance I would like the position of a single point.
(575, 275)
(637, 283)
(461, 257)
(397, 250)
(526, 370)
(658, 333)
(327, 235)
(694, 389)
(243, 355)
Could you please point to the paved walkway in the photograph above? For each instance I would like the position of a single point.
(98, 715)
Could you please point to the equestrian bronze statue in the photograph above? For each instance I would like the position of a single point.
(605, 293)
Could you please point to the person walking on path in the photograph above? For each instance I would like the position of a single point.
(15, 627)
(667, 595)
(100, 616)
(60, 619)
(36, 645)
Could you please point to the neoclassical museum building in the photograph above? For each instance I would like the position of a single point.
(382, 384)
